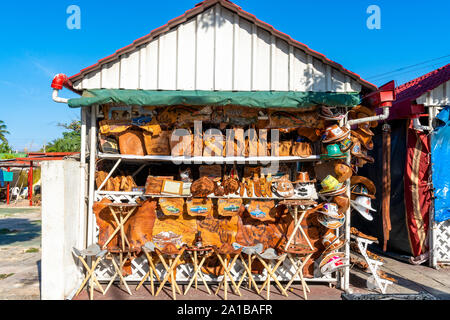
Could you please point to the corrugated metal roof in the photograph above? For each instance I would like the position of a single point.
(218, 46)
(421, 90)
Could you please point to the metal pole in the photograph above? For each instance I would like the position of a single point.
(7, 189)
(345, 280)
(92, 157)
(30, 184)
(83, 217)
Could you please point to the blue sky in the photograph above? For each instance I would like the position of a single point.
(36, 44)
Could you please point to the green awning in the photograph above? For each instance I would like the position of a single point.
(258, 99)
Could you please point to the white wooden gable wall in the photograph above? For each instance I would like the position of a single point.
(438, 97)
(218, 50)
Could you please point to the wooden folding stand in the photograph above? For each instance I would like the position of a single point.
(227, 258)
(271, 256)
(251, 256)
(298, 256)
(174, 256)
(194, 253)
(149, 250)
(123, 209)
(91, 251)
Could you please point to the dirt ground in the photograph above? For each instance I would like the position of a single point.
(20, 261)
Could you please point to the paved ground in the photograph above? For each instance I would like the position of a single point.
(20, 257)
(20, 242)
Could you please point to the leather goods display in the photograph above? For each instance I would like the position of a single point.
(202, 187)
(153, 185)
(172, 187)
(343, 203)
(333, 151)
(229, 207)
(106, 224)
(157, 144)
(283, 187)
(108, 144)
(127, 184)
(210, 171)
(364, 138)
(302, 149)
(131, 142)
(139, 227)
(235, 143)
(281, 149)
(262, 210)
(181, 143)
(100, 176)
(201, 207)
(230, 185)
(329, 113)
(171, 206)
(293, 120)
(313, 134)
(251, 143)
(214, 145)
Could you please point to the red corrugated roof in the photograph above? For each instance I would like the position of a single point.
(404, 106)
(417, 87)
(202, 6)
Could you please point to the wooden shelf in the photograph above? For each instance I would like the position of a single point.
(207, 160)
(141, 194)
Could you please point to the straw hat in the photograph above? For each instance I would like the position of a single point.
(331, 242)
(363, 201)
(343, 203)
(365, 127)
(358, 152)
(335, 133)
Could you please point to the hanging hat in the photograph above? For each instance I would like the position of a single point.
(362, 211)
(335, 133)
(329, 222)
(303, 177)
(330, 184)
(331, 242)
(343, 203)
(360, 112)
(361, 186)
(346, 144)
(327, 114)
(333, 262)
(331, 210)
(364, 138)
(363, 201)
(311, 133)
(343, 171)
(358, 152)
(365, 127)
(333, 152)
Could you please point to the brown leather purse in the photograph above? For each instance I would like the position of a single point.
(157, 144)
(302, 149)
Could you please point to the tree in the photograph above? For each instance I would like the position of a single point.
(3, 132)
(71, 140)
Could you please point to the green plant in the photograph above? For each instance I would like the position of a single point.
(71, 140)
(32, 250)
(3, 132)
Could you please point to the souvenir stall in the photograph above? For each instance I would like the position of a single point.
(200, 182)
(413, 221)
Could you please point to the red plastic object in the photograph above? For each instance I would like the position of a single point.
(59, 80)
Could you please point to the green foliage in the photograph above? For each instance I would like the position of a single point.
(5, 147)
(3, 132)
(71, 140)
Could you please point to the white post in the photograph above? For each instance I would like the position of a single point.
(60, 217)
(345, 278)
(92, 158)
(83, 221)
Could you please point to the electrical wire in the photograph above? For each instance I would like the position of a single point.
(407, 67)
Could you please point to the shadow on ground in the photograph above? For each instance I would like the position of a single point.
(16, 230)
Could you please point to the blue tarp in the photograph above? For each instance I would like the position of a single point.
(440, 158)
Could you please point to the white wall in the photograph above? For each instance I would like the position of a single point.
(218, 50)
(60, 228)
